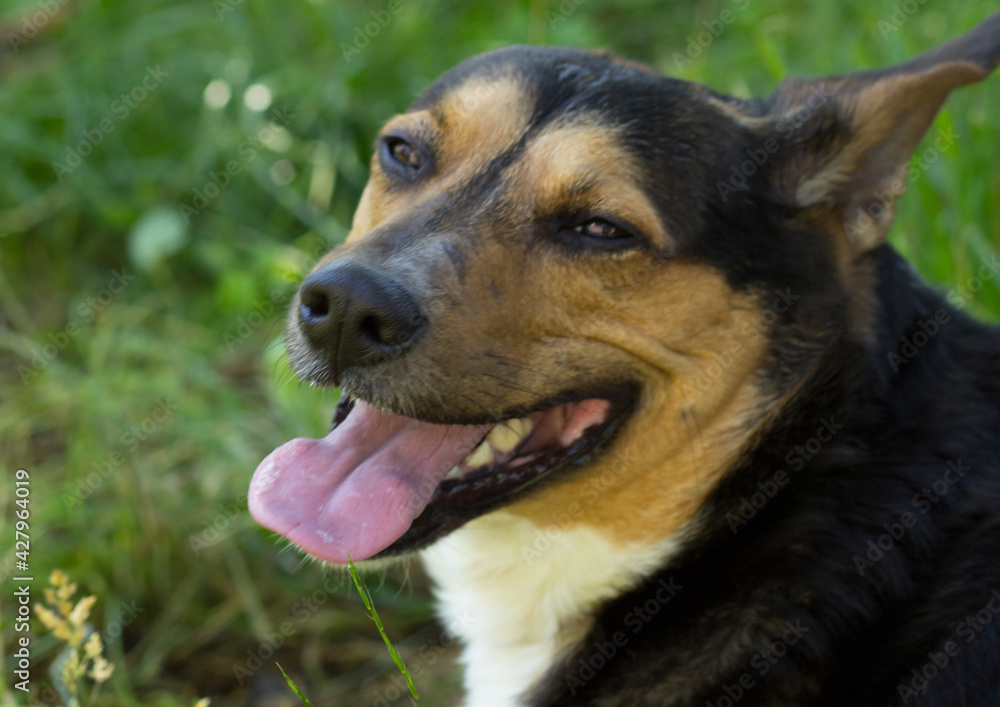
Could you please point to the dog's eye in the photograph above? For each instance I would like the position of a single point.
(599, 228)
(403, 153)
(597, 234)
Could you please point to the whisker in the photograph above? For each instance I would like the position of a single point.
(512, 386)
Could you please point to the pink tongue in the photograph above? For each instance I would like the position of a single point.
(359, 488)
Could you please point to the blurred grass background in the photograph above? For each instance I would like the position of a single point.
(143, 284)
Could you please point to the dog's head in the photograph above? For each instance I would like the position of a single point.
(575, 287)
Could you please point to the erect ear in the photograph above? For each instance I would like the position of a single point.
(843, 142)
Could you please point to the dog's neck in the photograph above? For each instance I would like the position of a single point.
(519, 596)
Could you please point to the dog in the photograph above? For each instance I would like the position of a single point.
(630, 363)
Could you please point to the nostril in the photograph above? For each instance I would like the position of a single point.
(315, 304)
(372, 329)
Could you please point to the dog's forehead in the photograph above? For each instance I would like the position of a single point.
(548, 74)
(544, 84)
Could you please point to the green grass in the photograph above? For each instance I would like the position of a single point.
(366, 597)
(295, 688)
(142, 428)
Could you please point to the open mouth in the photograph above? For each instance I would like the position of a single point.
(381, 484)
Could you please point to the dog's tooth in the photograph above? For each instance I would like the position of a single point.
(480, 456)
(507, 435)
(454, 473)
(504, 437)
(523, 425)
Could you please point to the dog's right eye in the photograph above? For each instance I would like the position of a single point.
(599, 228)
(600, 233)
(400, 157)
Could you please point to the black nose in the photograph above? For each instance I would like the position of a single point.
(356, 316)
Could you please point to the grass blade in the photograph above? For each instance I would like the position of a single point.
(373, 615)
(295, 688)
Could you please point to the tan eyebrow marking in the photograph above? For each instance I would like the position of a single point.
(585, 164)
(481, 118)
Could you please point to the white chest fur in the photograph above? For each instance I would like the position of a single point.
(518, 595)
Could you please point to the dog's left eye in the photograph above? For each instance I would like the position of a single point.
(399, 154)
(599, 228)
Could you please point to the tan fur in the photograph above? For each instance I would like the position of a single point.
(479, 119)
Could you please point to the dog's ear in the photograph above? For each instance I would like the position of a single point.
(844, 142)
